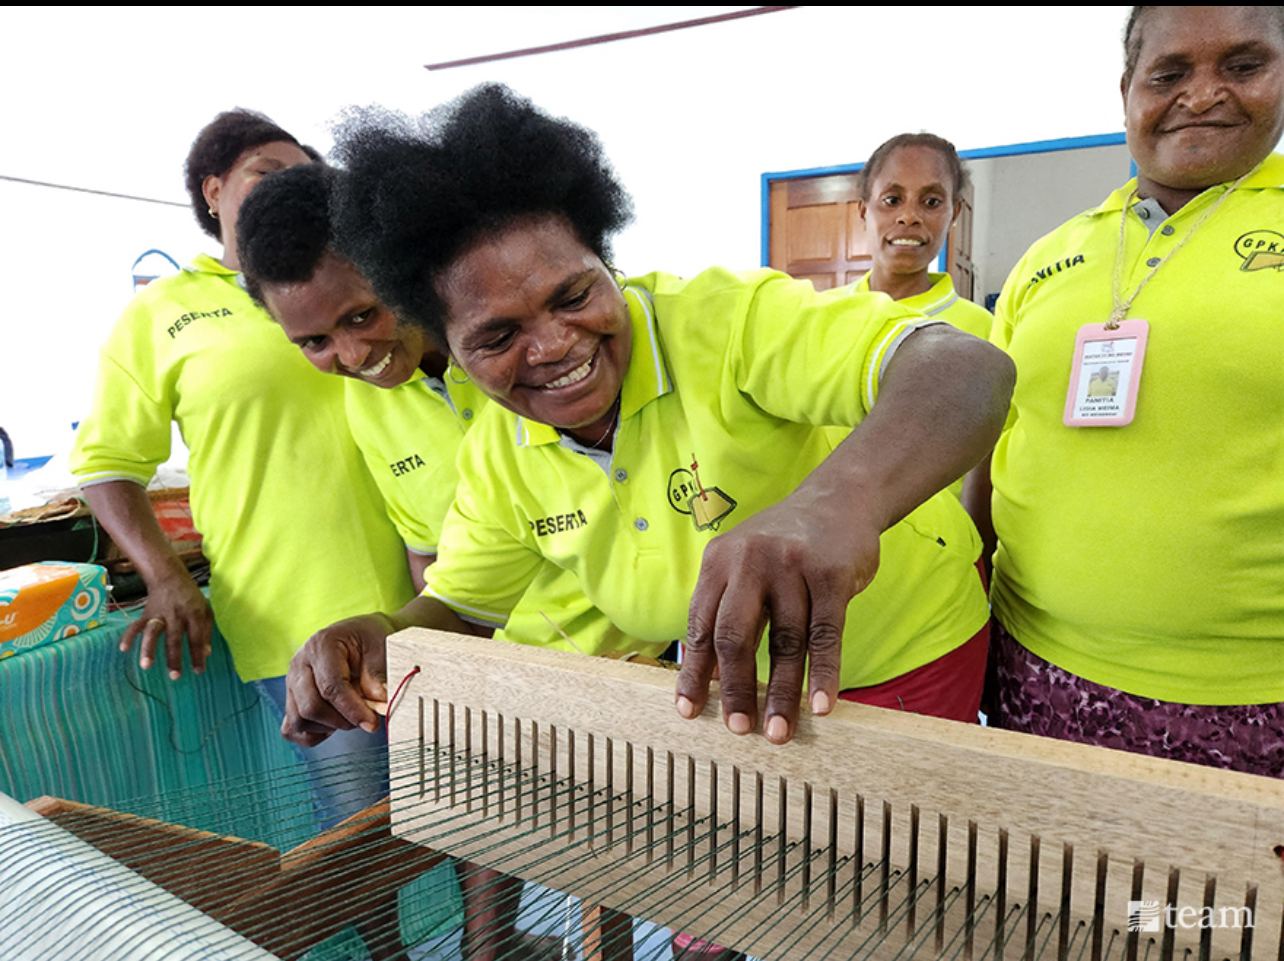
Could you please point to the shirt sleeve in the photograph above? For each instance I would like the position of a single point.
(1005, 309)
(483, 565)
(815, 358)
(417, 536)
(127, 434)
(416, 533)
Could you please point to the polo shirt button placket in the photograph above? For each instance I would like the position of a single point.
(641, 524)
(621, 475)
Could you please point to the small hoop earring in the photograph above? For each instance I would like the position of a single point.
(213, 213)
(450, 372)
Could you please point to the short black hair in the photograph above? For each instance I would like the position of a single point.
(930, 141)
(418, 193)
(283, 229)
(215, 151)
(1132, 35)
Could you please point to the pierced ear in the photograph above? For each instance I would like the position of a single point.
(210, 189)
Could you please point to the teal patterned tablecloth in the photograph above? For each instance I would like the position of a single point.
(79, 720)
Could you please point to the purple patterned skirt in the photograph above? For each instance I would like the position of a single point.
(1036, 697)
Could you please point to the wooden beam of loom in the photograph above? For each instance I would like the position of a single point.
(873, 834)
(284, 903)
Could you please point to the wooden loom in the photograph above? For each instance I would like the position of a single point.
(58, 895)
(874, 834)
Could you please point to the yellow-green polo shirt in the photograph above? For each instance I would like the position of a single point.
(410, 436)
(731, 382)
(1150, 557)
(293, 524)
(942, 302)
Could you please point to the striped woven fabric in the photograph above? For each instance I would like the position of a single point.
(80, 721)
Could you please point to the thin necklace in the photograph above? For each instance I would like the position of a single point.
(1121, 306)
(614, 414)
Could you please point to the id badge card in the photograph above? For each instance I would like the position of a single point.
(1106, 374)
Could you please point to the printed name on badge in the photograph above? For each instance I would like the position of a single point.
(1106, 374)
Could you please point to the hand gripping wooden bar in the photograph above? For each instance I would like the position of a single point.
(873, 834)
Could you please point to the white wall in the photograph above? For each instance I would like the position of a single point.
(1019, 199)
(109, 99)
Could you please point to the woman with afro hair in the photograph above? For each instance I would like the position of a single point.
(666, 438)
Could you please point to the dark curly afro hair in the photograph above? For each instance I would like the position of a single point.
(958, 173)
(215, 151)
(419, 192)
(283, 229)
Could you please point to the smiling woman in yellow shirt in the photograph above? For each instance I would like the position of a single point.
(665, 440)
(911, 197)
(408, 408)
(278, 486)
(1170, 639)
(293, 525)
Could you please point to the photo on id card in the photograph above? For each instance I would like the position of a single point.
(1106, 374)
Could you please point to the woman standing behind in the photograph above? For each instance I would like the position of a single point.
(293, 526)
(911, 196)
(1141, 530)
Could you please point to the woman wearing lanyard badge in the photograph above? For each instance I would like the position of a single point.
(1168, 640)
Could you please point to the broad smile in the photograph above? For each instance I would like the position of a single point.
(572, 376)
(907, 242)
(374, 371)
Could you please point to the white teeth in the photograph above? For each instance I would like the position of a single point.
(574, 377)
(378, 368)
(907, 243)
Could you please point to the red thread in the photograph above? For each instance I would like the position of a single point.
(695, 469)
(395, 694)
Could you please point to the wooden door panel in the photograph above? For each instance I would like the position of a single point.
(958, 251)
(823, 237)
(814, 233)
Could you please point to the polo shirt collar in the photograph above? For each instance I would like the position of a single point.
(1269, 174)
(205, 264)
(646, 379)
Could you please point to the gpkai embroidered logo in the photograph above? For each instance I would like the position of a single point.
(1261, 250)
(707, 506)
(187, 318)
(1060, 265)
